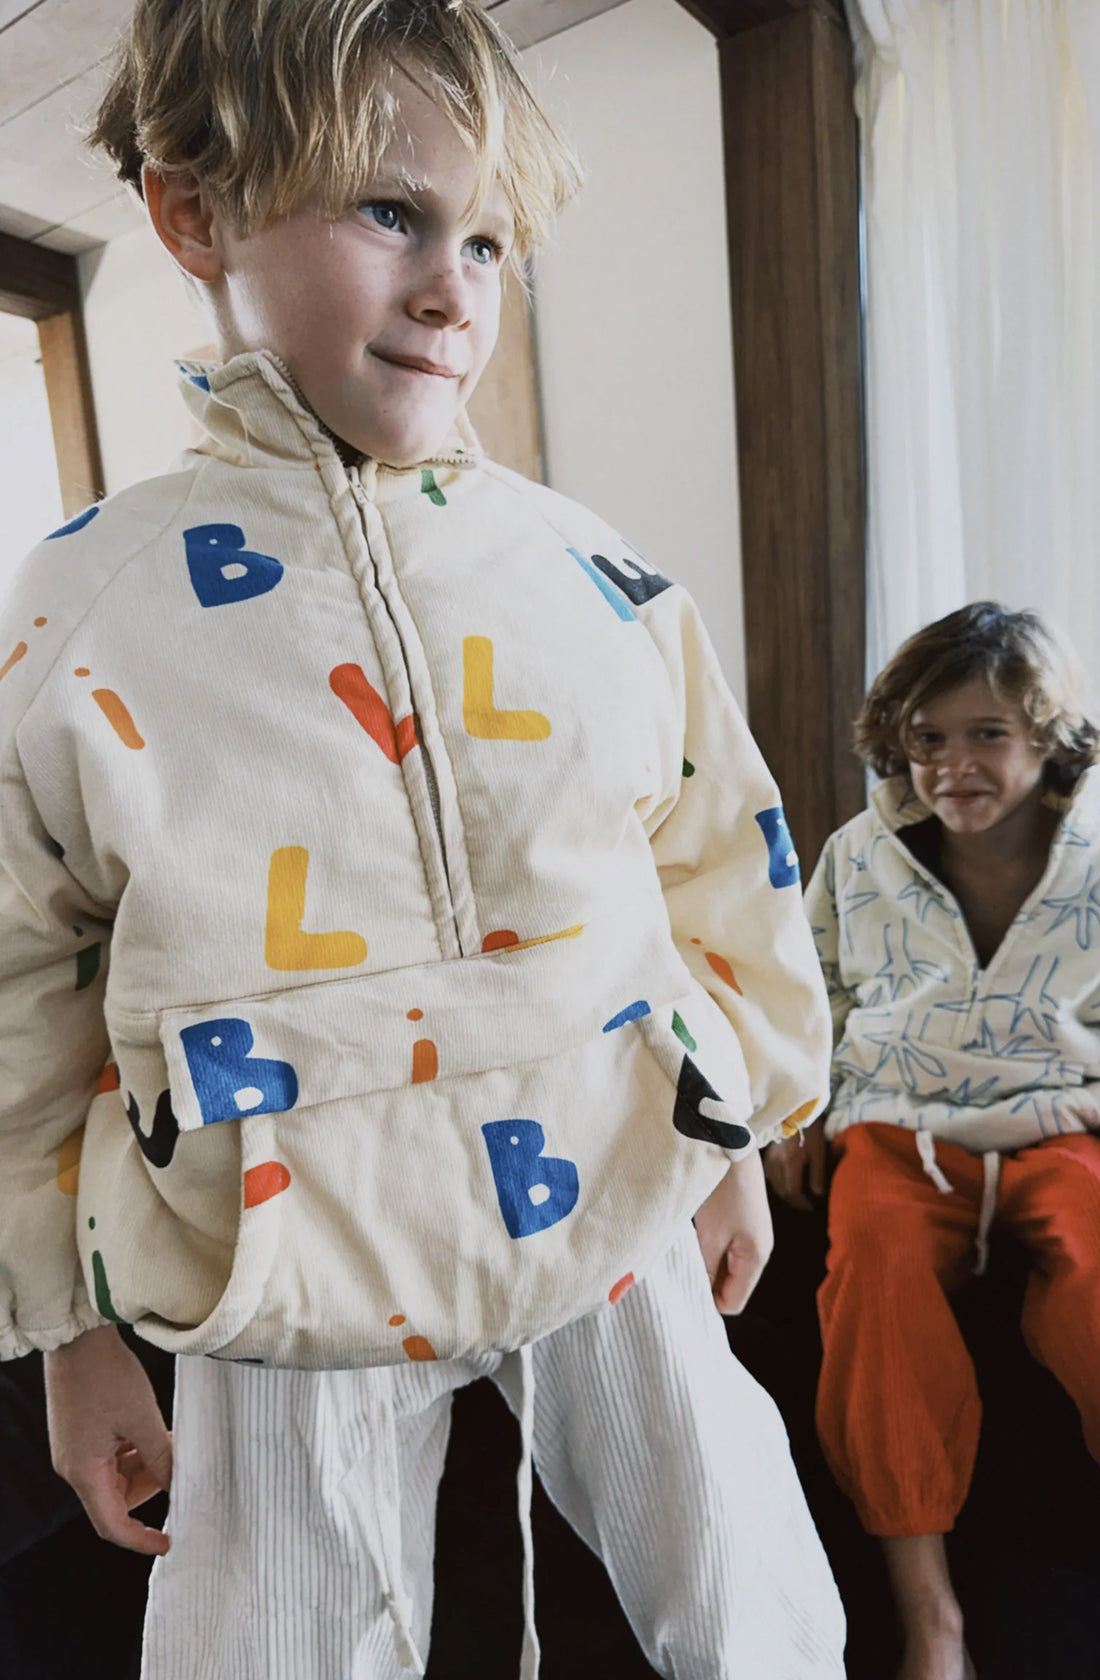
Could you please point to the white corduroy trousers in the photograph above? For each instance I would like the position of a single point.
(297, 1518)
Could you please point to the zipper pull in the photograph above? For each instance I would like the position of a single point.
(363, 493)
(355, 484)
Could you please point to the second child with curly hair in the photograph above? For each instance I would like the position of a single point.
(958, 925)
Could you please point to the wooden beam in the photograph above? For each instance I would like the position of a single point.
(528, 21)
(729, 17)
(72, 415)
(504, 409)
(791, 175)
(44, 286)
(35, 282)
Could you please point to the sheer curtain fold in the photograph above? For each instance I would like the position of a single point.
(980, 140)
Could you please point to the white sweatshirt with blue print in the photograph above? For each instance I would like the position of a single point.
(991, 1058)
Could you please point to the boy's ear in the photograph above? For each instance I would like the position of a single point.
(183, 222)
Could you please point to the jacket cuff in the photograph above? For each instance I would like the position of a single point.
(16, 1340)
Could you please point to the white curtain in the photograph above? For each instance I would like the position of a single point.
(980, 146)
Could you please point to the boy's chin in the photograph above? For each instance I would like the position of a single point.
(396, 440)
(398, 451)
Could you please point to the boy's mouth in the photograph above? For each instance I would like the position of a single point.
(417, 364)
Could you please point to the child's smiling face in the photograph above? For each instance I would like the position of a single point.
(978, 763)
(386, 317)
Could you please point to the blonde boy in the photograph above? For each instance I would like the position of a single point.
(456, 951)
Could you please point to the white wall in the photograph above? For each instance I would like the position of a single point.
(632, 301)
(29, 491)
(139, 318)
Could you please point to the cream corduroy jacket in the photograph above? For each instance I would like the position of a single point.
(399, 931)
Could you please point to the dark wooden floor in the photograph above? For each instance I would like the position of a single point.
(1026, 1552)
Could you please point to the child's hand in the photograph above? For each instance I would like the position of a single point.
(107, 1437)
(796, 1163)
(734, 1228)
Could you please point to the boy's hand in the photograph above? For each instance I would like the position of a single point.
(796, 1163)
(734, 1228)
(107, 1437)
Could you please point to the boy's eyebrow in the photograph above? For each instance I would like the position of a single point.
(391, 184)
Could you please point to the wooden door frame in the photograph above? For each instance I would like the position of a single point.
(791, 161)
(44, 286)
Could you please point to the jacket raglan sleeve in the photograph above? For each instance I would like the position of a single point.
(53, 1047)
(821, 911)
(731, 882)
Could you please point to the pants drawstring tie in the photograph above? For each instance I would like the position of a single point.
(926, 1149)
(529, 1659)
(991, 1178)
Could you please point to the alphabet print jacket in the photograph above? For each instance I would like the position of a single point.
(454, 931)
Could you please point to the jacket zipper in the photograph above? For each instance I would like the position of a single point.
(362, 501)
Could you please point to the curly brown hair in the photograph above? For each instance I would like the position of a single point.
(1020, 658)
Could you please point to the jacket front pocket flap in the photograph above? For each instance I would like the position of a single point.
(350, 1037)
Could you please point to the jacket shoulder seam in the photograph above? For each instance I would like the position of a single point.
(141, 545)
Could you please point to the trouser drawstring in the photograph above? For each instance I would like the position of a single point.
(529, 1658)
(926, 1149)
(991, 1178)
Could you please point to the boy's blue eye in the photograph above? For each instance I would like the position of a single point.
(483, 251)
(384, 213)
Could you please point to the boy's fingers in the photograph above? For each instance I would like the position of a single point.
(141, 1484)
(155, 1450)
(739, 1272)
(101, 1494)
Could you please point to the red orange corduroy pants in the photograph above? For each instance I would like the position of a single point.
(897, 1407)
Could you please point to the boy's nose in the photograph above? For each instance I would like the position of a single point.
(442, 297)
(955, 760)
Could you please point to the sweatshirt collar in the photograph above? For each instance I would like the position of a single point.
(252, 415)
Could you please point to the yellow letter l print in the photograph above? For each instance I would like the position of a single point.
(480, 715)
(286, 946)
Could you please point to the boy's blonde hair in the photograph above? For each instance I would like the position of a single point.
(273, 102)
(1016, 654)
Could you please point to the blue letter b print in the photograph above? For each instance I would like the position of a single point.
(535, 1190)
(782, 857)
(223, 570)
(228, 1081)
